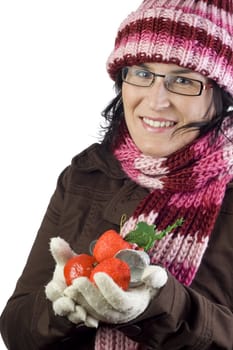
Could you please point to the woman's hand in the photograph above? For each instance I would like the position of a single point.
(62, 304)
(109, 303)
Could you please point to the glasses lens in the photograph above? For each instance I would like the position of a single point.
(183, 85)
(137, 76)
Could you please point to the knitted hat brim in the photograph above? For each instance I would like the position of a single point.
(172, 36)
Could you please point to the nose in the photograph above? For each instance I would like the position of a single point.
(157, 95)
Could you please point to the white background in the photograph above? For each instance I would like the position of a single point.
(53, 87)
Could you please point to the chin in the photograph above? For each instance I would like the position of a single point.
(154, 150)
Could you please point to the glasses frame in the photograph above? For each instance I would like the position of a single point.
(203, 86)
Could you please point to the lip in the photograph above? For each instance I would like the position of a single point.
(147, 123)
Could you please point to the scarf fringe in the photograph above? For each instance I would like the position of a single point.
(112, 339)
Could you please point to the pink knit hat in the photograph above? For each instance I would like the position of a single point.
(196, 34)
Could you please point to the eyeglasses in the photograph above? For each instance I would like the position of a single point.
(177, 84)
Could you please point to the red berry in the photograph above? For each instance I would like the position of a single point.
(117, 269)
(108, 244)
(79, 265)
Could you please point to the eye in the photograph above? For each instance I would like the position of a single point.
(182, 81)
(142, 74)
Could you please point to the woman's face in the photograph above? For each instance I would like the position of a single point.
(153, 113)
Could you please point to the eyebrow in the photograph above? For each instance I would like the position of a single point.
(182, 71)
(176, 71)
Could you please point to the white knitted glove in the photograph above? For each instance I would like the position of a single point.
(111, 304)
(63, 305)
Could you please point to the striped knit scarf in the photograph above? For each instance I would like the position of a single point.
(191, 184)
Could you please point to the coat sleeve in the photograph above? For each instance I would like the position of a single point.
(28, 322)
(184, 320)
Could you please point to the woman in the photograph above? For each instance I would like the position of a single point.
(167, 153)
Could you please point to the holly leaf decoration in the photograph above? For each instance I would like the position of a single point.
(145, 235)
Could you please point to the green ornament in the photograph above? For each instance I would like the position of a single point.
(145, 235)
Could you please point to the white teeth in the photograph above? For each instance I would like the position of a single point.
(158, 124)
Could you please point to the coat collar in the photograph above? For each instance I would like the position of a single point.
(99, 157)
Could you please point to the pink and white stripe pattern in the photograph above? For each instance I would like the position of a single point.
(112, 339)
(196, 196)
(189, 33)
(194, 34)
(190, 184)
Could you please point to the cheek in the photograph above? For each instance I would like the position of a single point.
(212, 111)
(129, 98)
(204, 110)
(126, 99)
(195, 112)
(187, 137)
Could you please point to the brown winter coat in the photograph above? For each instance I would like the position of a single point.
(91, 196)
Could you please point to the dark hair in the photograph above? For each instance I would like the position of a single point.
(114, 114)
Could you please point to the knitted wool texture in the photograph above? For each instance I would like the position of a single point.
(112, 339)
(191, 184)
(193, 34)
(188, 184)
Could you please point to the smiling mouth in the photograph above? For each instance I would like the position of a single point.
(158, 124)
